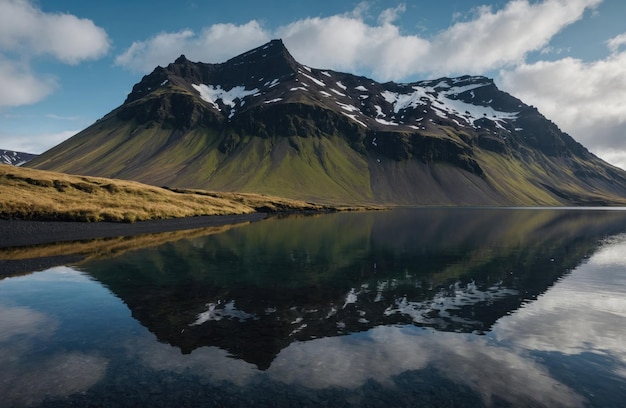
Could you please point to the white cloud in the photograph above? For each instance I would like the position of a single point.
(213, 44)
(616, 157)
(488, 40)
(389, 15)
(146, 55)
(615, 42)
(59, 117)
(347, 44)
(34, 143)
(20, 86)
(27, 32)
(585, 99)
(496, 39)
(26, 29)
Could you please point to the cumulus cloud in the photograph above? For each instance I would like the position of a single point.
(495, 39)
(213, 44)
(388, 16)
(615, 156)
(346, 43)
(616, 42)
(27, 32)
(32, 143)
(585, 99)
(20, 86)
(487, 40)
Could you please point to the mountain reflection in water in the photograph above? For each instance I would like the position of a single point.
(253, 291)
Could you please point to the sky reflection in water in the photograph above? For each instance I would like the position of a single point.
(451, 316)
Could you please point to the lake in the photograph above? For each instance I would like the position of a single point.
(429, 307)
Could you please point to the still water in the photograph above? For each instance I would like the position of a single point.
(402, 308)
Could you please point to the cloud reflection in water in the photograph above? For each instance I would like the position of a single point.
(29, 373)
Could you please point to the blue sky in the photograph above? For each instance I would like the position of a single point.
(66, 63)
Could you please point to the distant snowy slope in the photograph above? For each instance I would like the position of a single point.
(15, 158)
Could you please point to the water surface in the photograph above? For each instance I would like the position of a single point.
(413, 307)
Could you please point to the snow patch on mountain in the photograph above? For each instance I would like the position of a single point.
(443, 98)
(317, 81)
(354, 118)
(273, 83)
(212, 94)
(386, 122)
(347, 107)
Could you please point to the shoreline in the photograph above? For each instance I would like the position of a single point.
(19, 233)
(27, 233)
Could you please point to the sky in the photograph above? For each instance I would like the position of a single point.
(65, 63)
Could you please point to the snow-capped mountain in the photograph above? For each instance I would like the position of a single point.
(15, 158)
(263, 122)
(278, 78)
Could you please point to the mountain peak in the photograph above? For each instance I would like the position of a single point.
(272, 57)
(181, 60)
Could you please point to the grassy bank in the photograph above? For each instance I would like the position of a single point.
(42, 195)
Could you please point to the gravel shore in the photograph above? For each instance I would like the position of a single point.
(18, 233)
(15, 233)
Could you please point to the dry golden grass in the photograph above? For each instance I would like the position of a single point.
(265, 203)
(43, 195)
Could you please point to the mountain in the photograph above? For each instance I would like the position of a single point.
(15, 158)
(262, 122)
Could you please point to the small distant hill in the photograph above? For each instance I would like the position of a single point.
(262, 122)
(15, 158)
